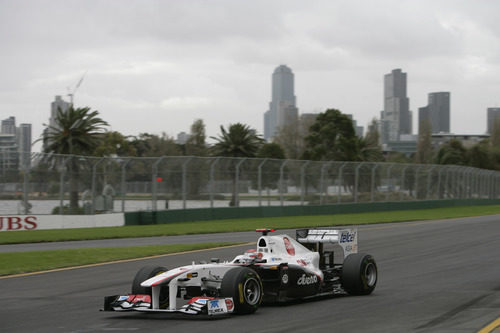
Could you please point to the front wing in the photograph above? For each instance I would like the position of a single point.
(196, 306)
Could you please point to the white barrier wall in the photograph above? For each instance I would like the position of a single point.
(40, 222)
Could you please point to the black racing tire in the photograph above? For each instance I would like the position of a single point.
(359, 274)
(244, 285)
(142, 275)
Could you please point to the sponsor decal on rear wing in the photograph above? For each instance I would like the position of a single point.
(346, 238)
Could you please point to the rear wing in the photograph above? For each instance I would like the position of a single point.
(346, 238)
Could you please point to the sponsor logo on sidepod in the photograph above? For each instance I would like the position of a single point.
(307, 280)
(347, 237)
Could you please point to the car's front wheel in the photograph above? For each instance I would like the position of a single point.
(245, 287)
(359, 274)
(145, 273)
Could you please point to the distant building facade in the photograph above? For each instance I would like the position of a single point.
(396, 118)
(493, 116)
(15, 145)
(9, 126)
(282, 108)
(23, 138)
(55, 106)
(436, 113)
(357, 129)
(182, 138)
(467, 140)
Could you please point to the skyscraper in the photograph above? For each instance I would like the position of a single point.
(15, 144)
(437, 112)
(282, 109)
(493, 117)
(396, 118)
(57, 104)
(9, 126)
(23, 137)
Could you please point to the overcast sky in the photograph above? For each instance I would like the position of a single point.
(156, 66)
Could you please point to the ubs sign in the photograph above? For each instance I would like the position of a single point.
(8, 223)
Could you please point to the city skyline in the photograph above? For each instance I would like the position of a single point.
(148, 62)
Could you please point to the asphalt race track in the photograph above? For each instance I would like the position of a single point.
(434, 276)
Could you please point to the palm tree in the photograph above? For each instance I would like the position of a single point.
(238, 141)
(76, 131)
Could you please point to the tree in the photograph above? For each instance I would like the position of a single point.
(452, 152)
(152, 145)
(271, 150)
(76, 131)
(238, 141)
(332, 138)
(424, 145)
(292, 137)
(478, 156)
(196, 145)
(115, 143)
(495, 134)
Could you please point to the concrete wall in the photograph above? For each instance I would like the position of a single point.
(203, 214)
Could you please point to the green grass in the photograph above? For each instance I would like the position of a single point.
(25, 262)
(233, 225)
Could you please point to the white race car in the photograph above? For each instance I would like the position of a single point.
(281, 268)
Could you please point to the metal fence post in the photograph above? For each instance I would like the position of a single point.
(322, 182)
(388, 176)
(123, 184)
(464, 183)
(372, 184)
(490, 184)
(416, 180)
(259, 180)
(26, 167)
(94, 171)
(237, 183)
(401, 187)
(154, 183)
(429, 178)
(212, 181)
(439, 183)
(281, 180)
(356, 180)
(61, 184)
(303, 182)
(340, 182)
(184, 181)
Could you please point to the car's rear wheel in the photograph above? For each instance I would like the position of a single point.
(359, 274)
(245, 287)
(145, 273)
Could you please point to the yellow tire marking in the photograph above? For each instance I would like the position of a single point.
(494, 324)
(118, 261)
(240, 289)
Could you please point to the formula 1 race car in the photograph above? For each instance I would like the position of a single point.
(279, 269)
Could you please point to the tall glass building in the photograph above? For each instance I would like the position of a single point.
(282, 108)
(396, 118)
(437, 112)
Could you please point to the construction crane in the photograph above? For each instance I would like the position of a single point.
(71, 94)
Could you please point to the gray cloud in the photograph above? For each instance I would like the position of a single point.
(156, 66)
